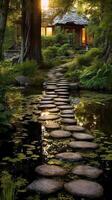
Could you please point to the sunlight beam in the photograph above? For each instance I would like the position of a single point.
(44, 4)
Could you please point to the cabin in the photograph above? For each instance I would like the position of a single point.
(70, 22)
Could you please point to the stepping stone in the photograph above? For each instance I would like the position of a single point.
(63, 96)
(74, 128)
(83, 145)
(45, 186)
(46, 102)
(51, 87)
(52, 126)
(60, 134)
(62, 100)
(61, 90)
(70, 116)
(69, 156)
(63, 93)
(63, 87)
(46, 106)
(53, 110)
(83, 136)
(60, 103)
(50, 170)
(68, 121)
(63, 84)
(87, 171)
(69, 111)
(48, 117)
(66, 107)
(53, 96)
(50, 93)
(46, 99)
(84, 188)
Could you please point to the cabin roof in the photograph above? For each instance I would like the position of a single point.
(71, 17)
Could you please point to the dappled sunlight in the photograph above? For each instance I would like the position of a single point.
(45, 4)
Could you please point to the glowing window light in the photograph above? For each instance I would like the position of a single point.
(42, 31)
(44, 4)
(83, 35)
(49, 31)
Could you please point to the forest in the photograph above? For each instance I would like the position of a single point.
(55, 99)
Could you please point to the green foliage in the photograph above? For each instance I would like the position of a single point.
(64, 50)
(97, 76)
(48, 41)
(50, 52)
(10, 186)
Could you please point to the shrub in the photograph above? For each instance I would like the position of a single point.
(50, 52)
(48, 41)
(64, 50)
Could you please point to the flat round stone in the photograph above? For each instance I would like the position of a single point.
(60, 103)
(63, 87)
(48, 117)
(83, 145)
(51, 87)
(50, 93)
(46, 102)
(46, 99)
(84, 188)
(53, 96)
(50, 170)
(60, 134)
(83, 136)
(63, 93)
(53, 110)
(66, 107)
(63, 84)
(62, 100)
(47, 106)
(87, 171)
(69, 156)
(74, 128)
(45, 186)
(69, 111)
(68, 121)
(52, 126)
(70, 116)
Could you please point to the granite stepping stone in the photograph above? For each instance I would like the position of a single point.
(63, 87)
(60, 103)
(53, 110)
(46, 99)
(66, 107)
(52, 126)
(87, 171)
(47, 106)
(70, 116)
(83, 136)
(68, 121)
(63, 84)
(48, 117)
(84, 188)
(63, 93)
(53, 96)
(46, 102)
(50, 170)
(74, 128)
(60, 134)
(46, 186)
(69, 156)
(62, 100)
(68, 111)
(51, 87)
(83, 145)
(50, 93)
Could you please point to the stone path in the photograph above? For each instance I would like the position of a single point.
(57, 115)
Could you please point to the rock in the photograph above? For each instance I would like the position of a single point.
(63, 93)
(51, 87)
(52, 96)
(47, 106)
(74, 86)
(83, 145)
(50, 93)
(68, 121)
(46, 102)
(87, 171)
(83, 136)
(74, 128)
(52, 126)
(63, 84)
(60, 103)
(60, 134)
(66, 100)
(53, 110)
(63, 87)
(50, 170)
(85, 189)
(70, 116)
(48, 117)
(68, 111)
(45, 186)
(61, 90)
(69, 156)
(66, 107)
(22, 80)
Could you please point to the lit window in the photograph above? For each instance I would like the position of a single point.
(49, 31)
(42, 31)
(83, 35)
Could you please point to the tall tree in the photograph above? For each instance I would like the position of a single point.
(31, 30)
(4, 6)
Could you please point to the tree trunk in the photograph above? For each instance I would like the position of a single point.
(4, 6)
(31, 30)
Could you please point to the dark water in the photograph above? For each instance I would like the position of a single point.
(22, 146)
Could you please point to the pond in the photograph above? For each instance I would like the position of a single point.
(23, 147)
